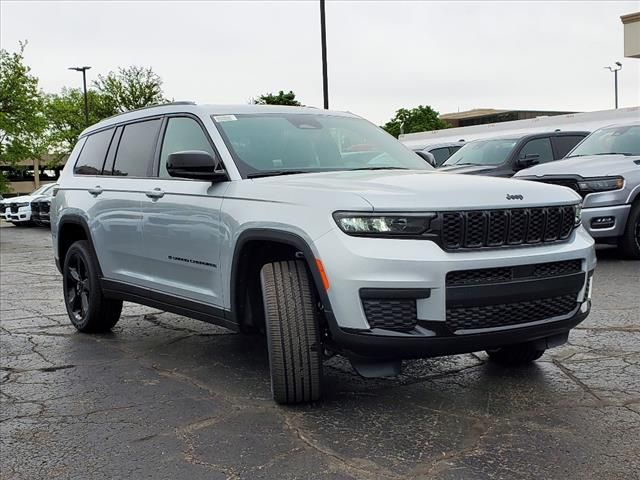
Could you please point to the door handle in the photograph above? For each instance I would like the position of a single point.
(95, 191)
(155, 193)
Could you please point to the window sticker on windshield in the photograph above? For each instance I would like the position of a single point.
(224, 118)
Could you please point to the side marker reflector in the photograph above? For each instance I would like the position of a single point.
(323, 275)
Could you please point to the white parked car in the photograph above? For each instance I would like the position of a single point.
(17, 210)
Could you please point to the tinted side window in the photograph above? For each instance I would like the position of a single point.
(538, 146)
(93, 153)
(182, 133)
(454, 149)
(565, 144)
(440, 154)
(136, 148)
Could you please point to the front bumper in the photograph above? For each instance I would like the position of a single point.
(396, 345)
(591, 218)
(22, 215)
(356, 265)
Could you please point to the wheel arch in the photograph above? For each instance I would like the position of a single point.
(264, 236)
(72, 228)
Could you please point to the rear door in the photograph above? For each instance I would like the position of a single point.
(182, 229)
(117, 215)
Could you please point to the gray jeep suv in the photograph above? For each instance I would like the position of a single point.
(264, 218)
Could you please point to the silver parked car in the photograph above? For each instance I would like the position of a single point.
(438, 153)
(267, 218)
(605, 170)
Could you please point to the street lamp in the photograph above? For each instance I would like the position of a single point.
(84, 84)
(323, 37)
(615, 69)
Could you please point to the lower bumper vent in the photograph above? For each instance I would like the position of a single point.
(391, 314)
(507, 314)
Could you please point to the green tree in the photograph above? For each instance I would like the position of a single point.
(281, 98)
(420, 119)
(130, 88)
(65, 116)
(22, 123)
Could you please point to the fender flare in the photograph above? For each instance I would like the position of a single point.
(287, 238)
(74, 219)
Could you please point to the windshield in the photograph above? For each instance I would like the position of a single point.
(624, 140)
(483, 152)
(271, 144)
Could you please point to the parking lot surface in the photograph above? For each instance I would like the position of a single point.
(167, 397)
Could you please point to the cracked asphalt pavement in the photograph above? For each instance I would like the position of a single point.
(166, 397)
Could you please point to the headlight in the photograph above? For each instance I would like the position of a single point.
(383, 225)
(578, 215)
(589, 185)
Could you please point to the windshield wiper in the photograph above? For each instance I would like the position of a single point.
(379, 168)
(273, 173)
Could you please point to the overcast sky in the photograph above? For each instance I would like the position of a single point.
(383, 55)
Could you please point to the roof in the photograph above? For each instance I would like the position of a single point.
(476, 112)
(207, 110)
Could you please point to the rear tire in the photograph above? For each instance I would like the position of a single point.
(515, 354)
(88, 309)
(629, 242)
(293, 337)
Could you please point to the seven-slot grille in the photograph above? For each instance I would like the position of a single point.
(497, 228)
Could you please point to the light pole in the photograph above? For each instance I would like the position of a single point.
(615, 69)
(323, 35)
(84, 84)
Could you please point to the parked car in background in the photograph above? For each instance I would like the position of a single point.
(17, 210)
(605, 170)
(438, 153)
(40, 207)
(504, 156)
(319, 229)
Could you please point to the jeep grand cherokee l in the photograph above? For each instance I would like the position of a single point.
(265, 218)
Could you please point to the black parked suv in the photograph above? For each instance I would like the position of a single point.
(504, 156)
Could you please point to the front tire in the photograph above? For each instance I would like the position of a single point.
(629, 243)
(293, 336)
(515, 354)
(88, 309)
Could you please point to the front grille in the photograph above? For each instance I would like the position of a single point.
(497, 228)
(392, 314)
(14, 208)
(2, 208)
(45, 207)
(507, 314)
(35, 208)
(508, 274)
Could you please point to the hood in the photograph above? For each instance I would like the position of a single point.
(470, 169)
(591, 166)
(412, 190)
(21, 199)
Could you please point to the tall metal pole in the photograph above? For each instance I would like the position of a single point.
(615, 76)
(615, 69)
(86, 100)
(323, 34)
(84, 85)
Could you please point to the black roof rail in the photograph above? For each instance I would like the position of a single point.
(181, 102)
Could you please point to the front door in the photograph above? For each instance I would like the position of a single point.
(182, 230)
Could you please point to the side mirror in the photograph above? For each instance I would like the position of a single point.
(195, 164)
(528, 160)
(428, 157)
